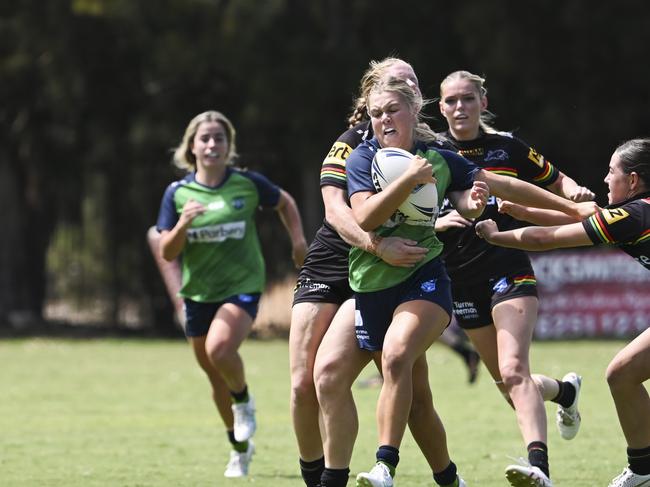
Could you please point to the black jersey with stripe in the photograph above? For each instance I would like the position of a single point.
(626, 225)
(468, 257)
(333, 174)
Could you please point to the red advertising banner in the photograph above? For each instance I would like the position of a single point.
(587, 293)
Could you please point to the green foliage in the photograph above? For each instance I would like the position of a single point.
(102, 89)
(139, 413)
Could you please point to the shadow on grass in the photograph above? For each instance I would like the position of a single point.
(58, 329)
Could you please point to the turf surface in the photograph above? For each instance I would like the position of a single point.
(138, 413)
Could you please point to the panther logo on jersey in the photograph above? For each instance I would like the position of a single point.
(501, 285)
(497, 155)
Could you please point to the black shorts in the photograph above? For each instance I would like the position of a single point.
(374, 310)
(473, 303)
(323, 277)
(199, 316)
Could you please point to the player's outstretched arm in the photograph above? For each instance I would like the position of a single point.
(536, 216)
(290, 216)
(567, 187)
(534, 238)
(519, 191)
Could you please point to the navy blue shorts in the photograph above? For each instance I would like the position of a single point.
(473, 303)
(199, 316)
(374, 310)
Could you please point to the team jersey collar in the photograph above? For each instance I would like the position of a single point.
(418, 146)
(477, 140)
(191, 178)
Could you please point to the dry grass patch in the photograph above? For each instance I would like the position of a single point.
(274, 316)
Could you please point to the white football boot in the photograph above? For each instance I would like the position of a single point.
(379, 476)
(525, 475)
(630, 479)
(568, 419)
(239, 462)
(245, 424)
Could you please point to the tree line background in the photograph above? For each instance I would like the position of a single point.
(95, 93)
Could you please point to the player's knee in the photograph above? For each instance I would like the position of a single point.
(395, 363)
(328, 378)
(512, 373)
(616, 375)
(220, 352)
(302, 385)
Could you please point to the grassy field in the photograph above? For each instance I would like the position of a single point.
(138, 413)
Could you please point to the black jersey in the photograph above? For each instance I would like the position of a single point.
(333, 174)
(469, 258)
(626, 225)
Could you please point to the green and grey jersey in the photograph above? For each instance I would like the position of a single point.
(453, 173)
(222, 255)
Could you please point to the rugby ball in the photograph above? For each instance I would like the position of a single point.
(421, 207)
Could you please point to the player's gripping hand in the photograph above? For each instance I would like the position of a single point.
(581, 193)
(478, 195)
(515, 210)
(420, 171)
(486, 228)
(400, 252)
(453, 219)
(586, 209)
(190, 211)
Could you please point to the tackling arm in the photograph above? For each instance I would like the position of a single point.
(519, 191)
(567, 187)
(534, 238)
(537, 216)
(392, 250)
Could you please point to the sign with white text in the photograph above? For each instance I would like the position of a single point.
(588, 293)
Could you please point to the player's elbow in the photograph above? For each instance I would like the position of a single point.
(539, 239)
(167, 252)
(166, 255)
(366, 222)
(367, 226)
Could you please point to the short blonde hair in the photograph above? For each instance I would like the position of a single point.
(183, 156)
